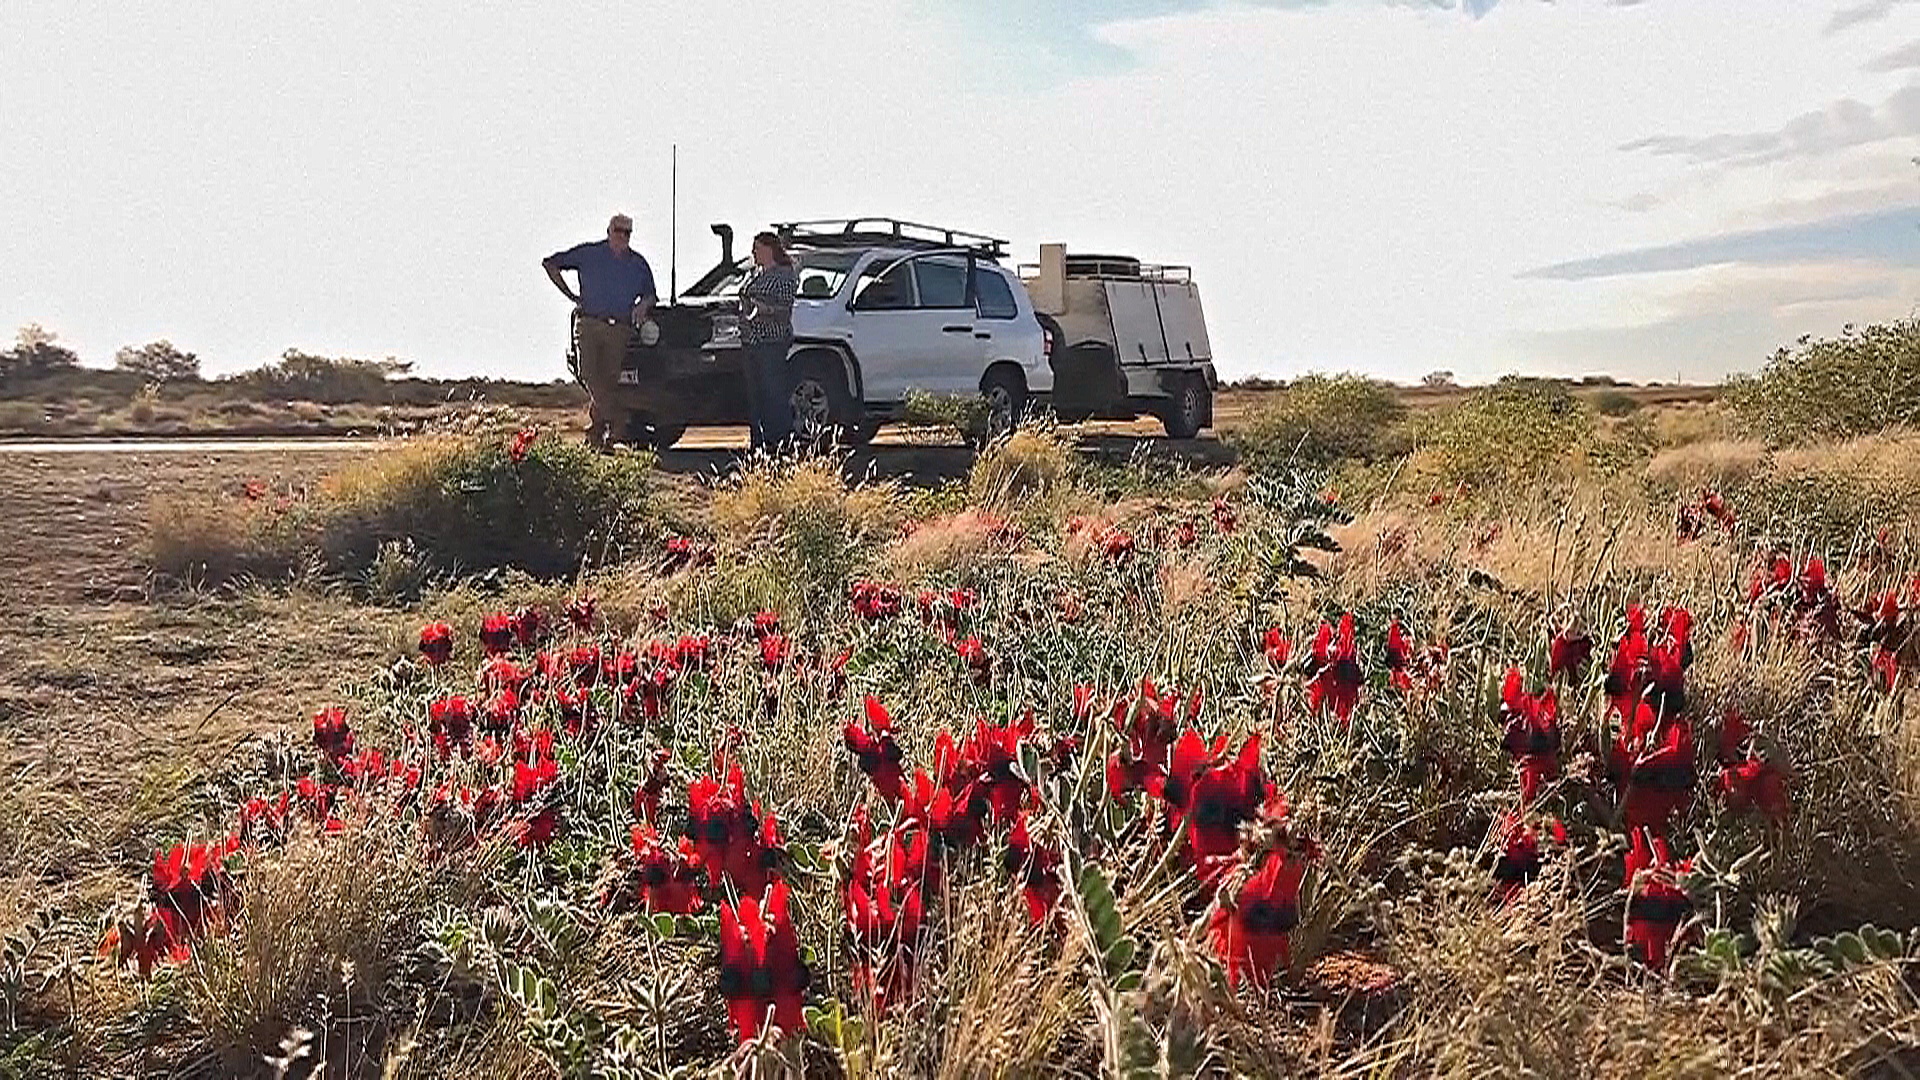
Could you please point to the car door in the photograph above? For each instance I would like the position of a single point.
(1006, 327)
(913, 325)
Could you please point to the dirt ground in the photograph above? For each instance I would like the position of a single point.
(116, 698)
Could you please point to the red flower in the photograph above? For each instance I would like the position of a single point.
(978, 776)
(1251, 921)
(1518, 842)
(187, 893)
(450, 722)
(580, 612)
(1568, 652)
(1755, 784)
(884, 903)
(760, 966)
(1224, 518)
(670, 879)
(1626, 675)
(1399, 652)
(1656, 906)
(872, 600)
(1148, 724)
(646, 797)
(878, 755)
(331, 733)
(773, 650)
(1653, 766)
(1276, 647)
(1335, 676)
(1083, 702)
(731, 834)
(1036, 866)
(1209, 796)
(1531, 724)
(522, 443)
(436, 643)
(974, 654)
(527, 624)
(497, 633)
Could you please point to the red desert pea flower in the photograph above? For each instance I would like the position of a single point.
(1652, 764)
(450, 723)
(884, 902)
(497, 632)
(188, 890)
(731, 834)
(1253, 916)
(1148, 727)
(760, 966)
(1036, 867)
(1518, 842)
(436, 643)
(1568, 651)
(874, 748)
(773, 650)
(521, 444)
(1276, 647)
(1656, 905)
(1531, 724)
(1755, 784)
(528, 625)
(1208, 796)
(873, 601)
(1399, 655)
(670, 878)
(646, 797)
(1335, 676)
(331, 733)
(580, 611)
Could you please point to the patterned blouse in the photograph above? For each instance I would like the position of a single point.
(769, 295)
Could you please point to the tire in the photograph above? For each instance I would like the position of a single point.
(1188, 410)
(1006, 394)
(643, 431)
(822, 408)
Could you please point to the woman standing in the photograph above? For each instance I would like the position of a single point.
(766, 332)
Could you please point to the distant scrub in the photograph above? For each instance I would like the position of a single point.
(1866, 380)
(1320, 419)
(445, 505)
(1515, 428)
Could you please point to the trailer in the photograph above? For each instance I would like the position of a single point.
(1135, 339)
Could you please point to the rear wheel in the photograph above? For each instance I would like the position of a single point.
(1006, 395)
(1186, 412)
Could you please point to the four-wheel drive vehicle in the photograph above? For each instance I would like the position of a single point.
(886, 308)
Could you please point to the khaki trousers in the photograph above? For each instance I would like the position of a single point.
(603, 348)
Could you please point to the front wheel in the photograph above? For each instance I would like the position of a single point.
(1186, 412)
(652, 434)
(821, 406)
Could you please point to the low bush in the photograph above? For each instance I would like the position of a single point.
(802, 518)
(1021, 469)
(466, 504)
(1515, 428)
(1320, 419)
(1864, 381)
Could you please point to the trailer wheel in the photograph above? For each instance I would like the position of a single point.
(644, 431)
(1187, 411)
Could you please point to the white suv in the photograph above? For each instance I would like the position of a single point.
(885, 308)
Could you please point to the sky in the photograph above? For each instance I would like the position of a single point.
(1653, 189)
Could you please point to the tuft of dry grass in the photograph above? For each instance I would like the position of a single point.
(1027, 467)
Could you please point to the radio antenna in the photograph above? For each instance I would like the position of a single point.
(673, 229)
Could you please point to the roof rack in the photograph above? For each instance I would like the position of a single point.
(891, 232)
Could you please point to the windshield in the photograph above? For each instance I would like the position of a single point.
(821, 274)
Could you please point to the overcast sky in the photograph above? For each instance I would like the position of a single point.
(1649, 188)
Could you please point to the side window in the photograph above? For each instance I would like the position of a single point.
(943, 284)
(884, 286)
(995, 296)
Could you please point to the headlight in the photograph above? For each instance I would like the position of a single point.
(726, 329)
(649, 333)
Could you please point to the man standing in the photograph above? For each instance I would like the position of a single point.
(616, 292)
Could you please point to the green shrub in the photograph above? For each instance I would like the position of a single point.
(1321, 419)
(1517, 427)
(1864, 381)
(1614, 403)
(963, 414)
(447, 505)
(803, 520)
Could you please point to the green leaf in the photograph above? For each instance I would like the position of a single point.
(663, 924)
(1851, 948)
(1119, 957)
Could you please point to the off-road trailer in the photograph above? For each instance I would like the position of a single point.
(1135, 339)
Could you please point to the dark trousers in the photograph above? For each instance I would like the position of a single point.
(769, 390)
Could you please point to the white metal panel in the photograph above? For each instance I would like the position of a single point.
(1136, 323)
(1184, 322)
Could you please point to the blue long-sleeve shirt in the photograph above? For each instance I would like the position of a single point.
(610, 284)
